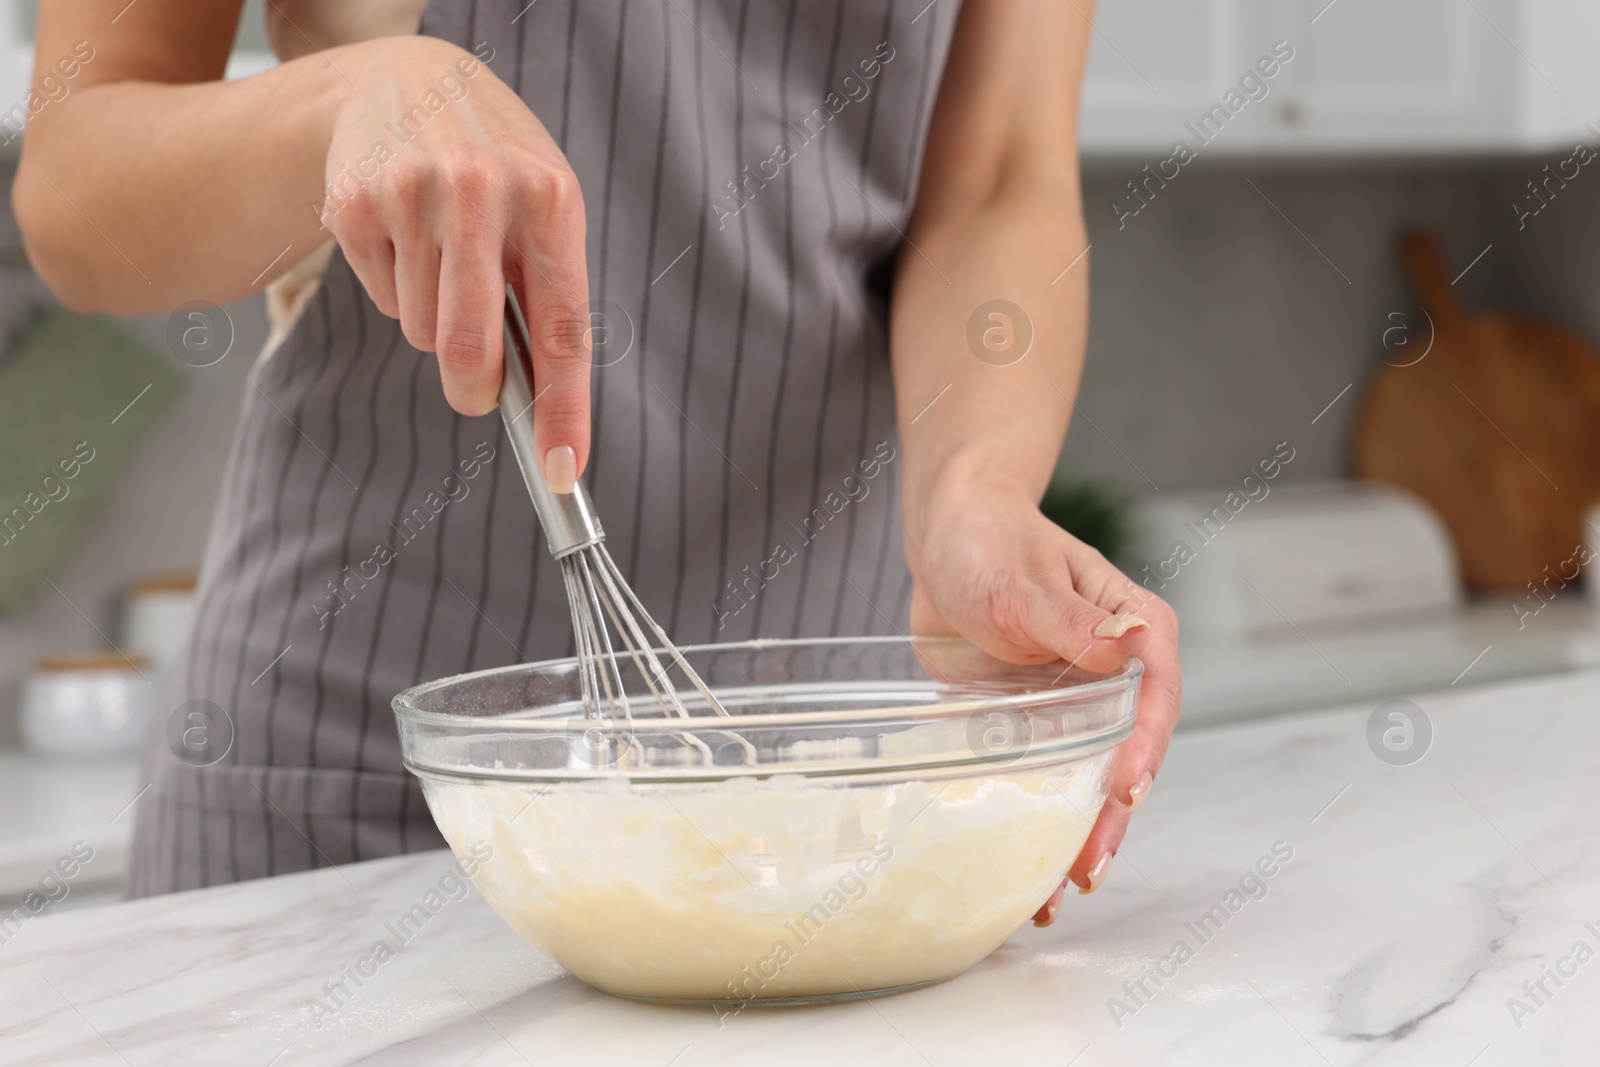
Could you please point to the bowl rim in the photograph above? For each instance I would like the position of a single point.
(1127, 675)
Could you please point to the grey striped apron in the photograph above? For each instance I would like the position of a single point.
(746, 168)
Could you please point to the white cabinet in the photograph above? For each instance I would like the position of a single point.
(16, 63)
(1366, 76)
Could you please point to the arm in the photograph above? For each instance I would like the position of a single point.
(998, 216)
(152, 182)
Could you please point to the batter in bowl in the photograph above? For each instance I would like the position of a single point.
(775, 889)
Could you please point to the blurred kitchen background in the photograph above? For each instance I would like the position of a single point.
(1242, 303)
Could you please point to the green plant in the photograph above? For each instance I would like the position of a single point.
(1093, 512)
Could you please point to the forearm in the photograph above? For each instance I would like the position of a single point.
(134, 196)
(966, 419)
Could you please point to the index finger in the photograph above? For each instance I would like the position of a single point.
(552, 283)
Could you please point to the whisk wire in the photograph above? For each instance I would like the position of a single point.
(610, 673)
(655, 674)
(638, 611)
(597, 592)
(589, 663)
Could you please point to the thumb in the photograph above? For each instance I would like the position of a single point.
(1082, 632)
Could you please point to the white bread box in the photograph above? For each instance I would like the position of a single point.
(1258, 559)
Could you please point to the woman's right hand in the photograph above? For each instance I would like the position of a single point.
(439, 183)
(442, 188)
(432, 174)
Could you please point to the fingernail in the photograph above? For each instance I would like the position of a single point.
(561, 469)
(1114, 626)
(1097, 874)
(1140, 790)
(1052, 907)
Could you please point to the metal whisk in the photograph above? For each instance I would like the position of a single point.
(601, 601)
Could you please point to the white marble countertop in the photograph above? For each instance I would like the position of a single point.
(1418, 901)
(48, 803)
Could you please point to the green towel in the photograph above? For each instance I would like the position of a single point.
(76, 397)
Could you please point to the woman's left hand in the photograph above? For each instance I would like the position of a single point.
(990, 567)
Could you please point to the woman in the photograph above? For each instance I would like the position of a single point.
(740, 188)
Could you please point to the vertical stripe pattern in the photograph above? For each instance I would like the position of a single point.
(746, 166)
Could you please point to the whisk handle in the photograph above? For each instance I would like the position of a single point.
(569, 520)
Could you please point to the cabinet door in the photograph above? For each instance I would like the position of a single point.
(1378, 76)
(1156, 64)
(16, 59)
(1385, 75)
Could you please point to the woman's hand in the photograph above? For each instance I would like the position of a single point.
(987, 331)
(990, 567)
(442, 188)
(439, 183)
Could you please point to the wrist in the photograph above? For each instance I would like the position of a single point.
(397, 71)
(967, 478)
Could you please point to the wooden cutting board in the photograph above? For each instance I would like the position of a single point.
(1497, 427)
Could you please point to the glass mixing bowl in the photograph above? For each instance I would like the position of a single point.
(874, 815)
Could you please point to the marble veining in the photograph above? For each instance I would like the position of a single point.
(1445, 912)
(1399, 985)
